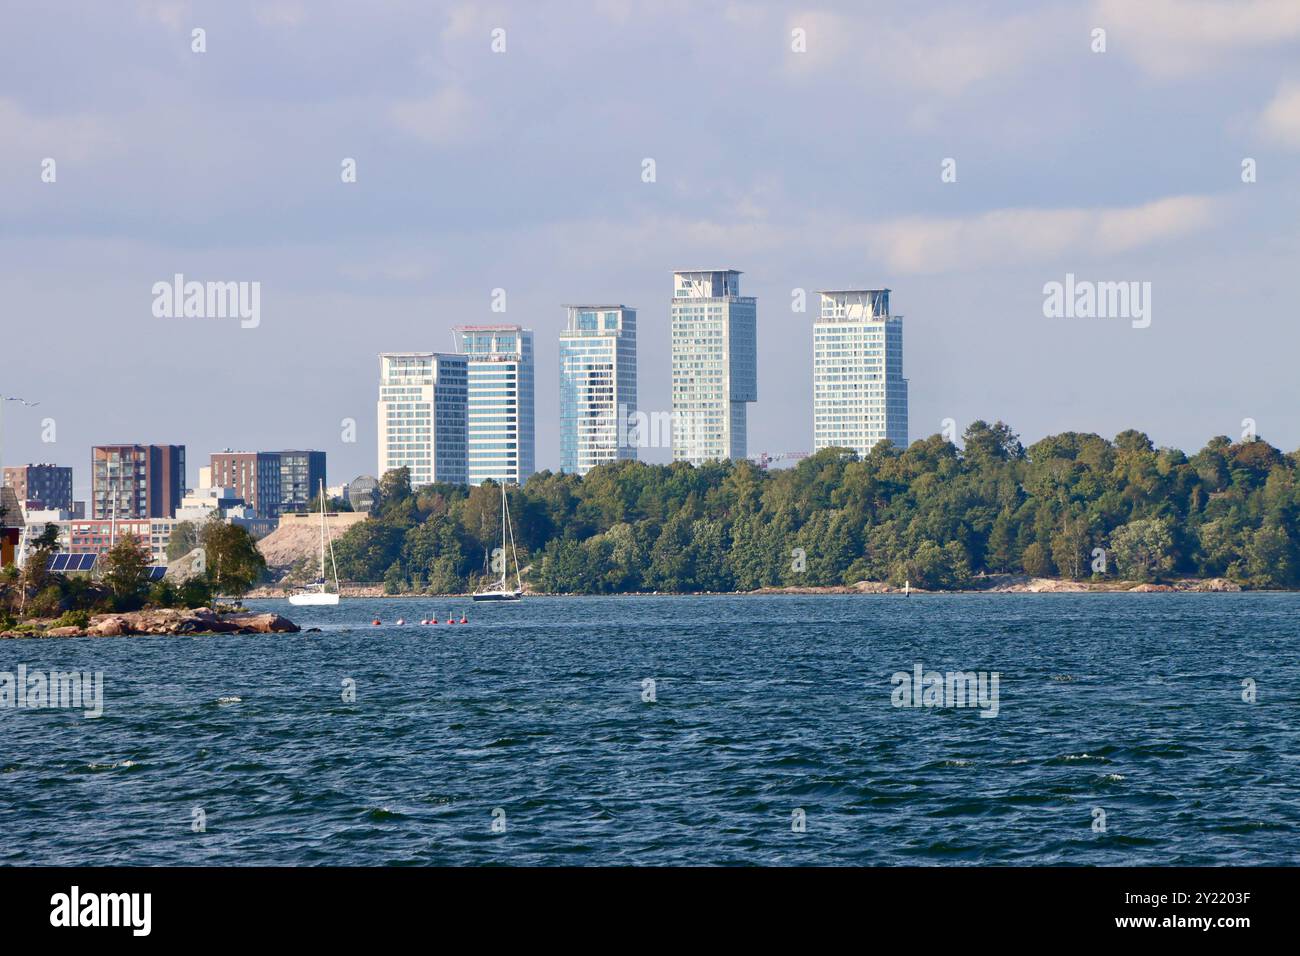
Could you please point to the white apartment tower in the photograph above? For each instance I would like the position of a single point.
(859, 393)
(501, 433)
(715, 364)
(597, 386)
(422, 415)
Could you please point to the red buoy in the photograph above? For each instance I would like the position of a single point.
(375, 622)
(464, 619)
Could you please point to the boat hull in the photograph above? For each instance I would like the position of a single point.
(496, 596)
(308, 599)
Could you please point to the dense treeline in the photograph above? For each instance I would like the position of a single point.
(1072, 505)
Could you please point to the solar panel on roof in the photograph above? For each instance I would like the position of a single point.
(64, 561)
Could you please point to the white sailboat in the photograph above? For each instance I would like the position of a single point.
(316, 593)
(499, 591)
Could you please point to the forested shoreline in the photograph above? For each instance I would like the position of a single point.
(1075, 506)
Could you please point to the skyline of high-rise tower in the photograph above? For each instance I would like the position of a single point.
(598, 379)
(423, 398)
(500, 402)
(714, 364)
(859, 392)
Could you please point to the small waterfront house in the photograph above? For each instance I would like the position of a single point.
(11, 526)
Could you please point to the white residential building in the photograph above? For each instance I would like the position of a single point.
(859, 393)
(715, 364)
(206, 502)
(500, 406)
(423, 405)
(597, 386)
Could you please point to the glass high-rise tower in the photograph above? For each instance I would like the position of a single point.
(859, 393)
(500, 406)
(423, 398)
(597, 386)
(715, 364)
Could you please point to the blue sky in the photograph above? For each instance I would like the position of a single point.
(522, 170)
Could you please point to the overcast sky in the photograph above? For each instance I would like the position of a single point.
(522, 170)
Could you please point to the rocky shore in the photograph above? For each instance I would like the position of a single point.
(162, 622)
(1023, 584)
(988, 584)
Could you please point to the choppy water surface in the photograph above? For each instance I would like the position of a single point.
(1128, 703)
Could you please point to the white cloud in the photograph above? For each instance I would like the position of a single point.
(170, 13)
(1005, 237)
(474, 23)
(1172, 37)
(1280, 120)
(287, 13)
(942, 54)
(75, 137)
(441, 119)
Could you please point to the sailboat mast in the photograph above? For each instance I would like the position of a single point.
(503, 534)
(519, 584)
(322, 534)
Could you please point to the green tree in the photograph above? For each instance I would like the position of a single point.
(671, 566)
(1000, 552)
(367, 550)
(932, 567)
(1035, 561)
(480, 517)
(564, 568)
(234, 564)
(395, 486)
(124, 570)
(183, 540)
(1271, 559)
(1143, 549)
(1069, 548)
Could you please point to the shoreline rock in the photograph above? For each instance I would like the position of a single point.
(166, 622)
(988, 584)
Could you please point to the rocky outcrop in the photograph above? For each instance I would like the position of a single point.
(170, 621)
(297, 539)
(253, 623)
(1212, 584)
(1042, 586)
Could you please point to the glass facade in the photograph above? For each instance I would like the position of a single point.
(423, 403)
(859, 392)
(597, 386)
(51, 485)
(715, 365)
(301, 475)
(500, 411)
(136, 481)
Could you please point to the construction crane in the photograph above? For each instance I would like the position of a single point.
(763, 459)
